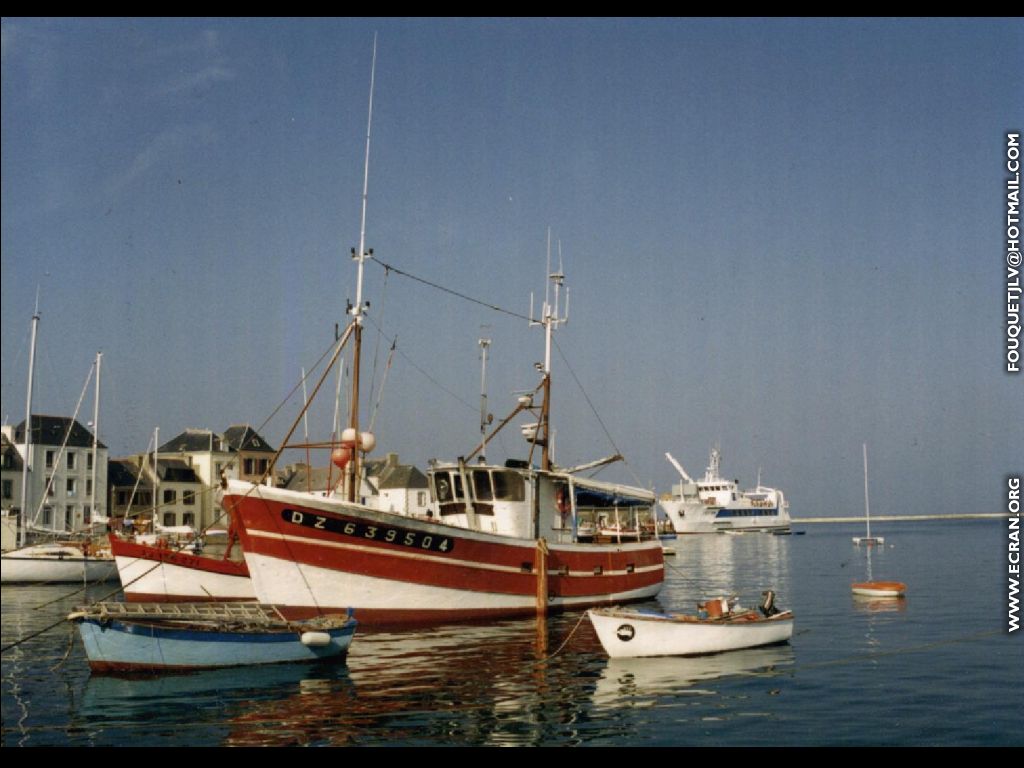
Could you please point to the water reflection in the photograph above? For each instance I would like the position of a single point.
(655, 678)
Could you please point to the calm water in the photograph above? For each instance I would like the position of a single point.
(937, 668)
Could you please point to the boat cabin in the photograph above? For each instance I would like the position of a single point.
(521, 501)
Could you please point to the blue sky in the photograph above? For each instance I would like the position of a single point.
(780, 235)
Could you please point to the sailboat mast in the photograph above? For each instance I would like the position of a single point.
(96, 513)
(867, 508)
(156, 472)
(25, 496)
(357, 310)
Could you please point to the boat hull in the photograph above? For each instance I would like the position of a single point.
(115, 645)
(157, 574)
(66, 565)
(879, 589)
(627, 634)
(308, 555)
(693, 518)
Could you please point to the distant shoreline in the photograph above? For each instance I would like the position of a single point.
(904, 518)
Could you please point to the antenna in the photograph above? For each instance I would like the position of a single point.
(485, 418)
(357, 310)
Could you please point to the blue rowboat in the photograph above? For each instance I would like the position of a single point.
(158, 637)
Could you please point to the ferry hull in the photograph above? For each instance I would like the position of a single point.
(309, 556)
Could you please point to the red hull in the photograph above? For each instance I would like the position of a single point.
(393, 569)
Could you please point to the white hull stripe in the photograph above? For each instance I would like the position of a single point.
(430, 558)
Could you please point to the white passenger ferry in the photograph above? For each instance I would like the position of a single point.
(715, 504)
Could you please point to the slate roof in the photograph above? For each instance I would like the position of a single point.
(242, 437)
(50, 430)
(122, 473)
(196, 441)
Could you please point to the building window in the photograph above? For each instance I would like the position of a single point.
(47, 515)
(8, 489)
(70, 487)
(88, 487)
(69, 516)
(170, 496)
(189, 519)
(49, 459)
(188, 497)
(87, 514)
(248, 467)
(170, 519)
(88, 461)
(421, 498)
(144, 498)
(72, 459)
(49, 488)
(122, 498)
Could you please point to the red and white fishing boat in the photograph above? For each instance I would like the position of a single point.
(507, 539)
(163, 573)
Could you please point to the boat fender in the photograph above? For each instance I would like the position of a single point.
(315, 639)
(768, 603)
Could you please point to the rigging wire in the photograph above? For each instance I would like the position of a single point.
(411, 276)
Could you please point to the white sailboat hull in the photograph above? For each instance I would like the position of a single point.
(55, 564)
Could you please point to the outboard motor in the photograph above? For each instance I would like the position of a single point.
(768, 603)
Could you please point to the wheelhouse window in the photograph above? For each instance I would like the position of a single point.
(508, 486)
(482, 485)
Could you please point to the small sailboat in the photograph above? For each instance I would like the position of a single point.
(872, 588)
(867, 540)
(720, 626)
(161, 637)
(74, 558)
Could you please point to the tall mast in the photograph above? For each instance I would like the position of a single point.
(867, 508)
(97, 515)
(156, 472)
(550, 319)
(357, 310)
(23, 533)
(484, 344)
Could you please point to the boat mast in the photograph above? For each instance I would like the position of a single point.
(550, 319)
(357, 310)
(23, 532)
(97, 515)
(156, 472)
(867, 508)
(484, 344)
